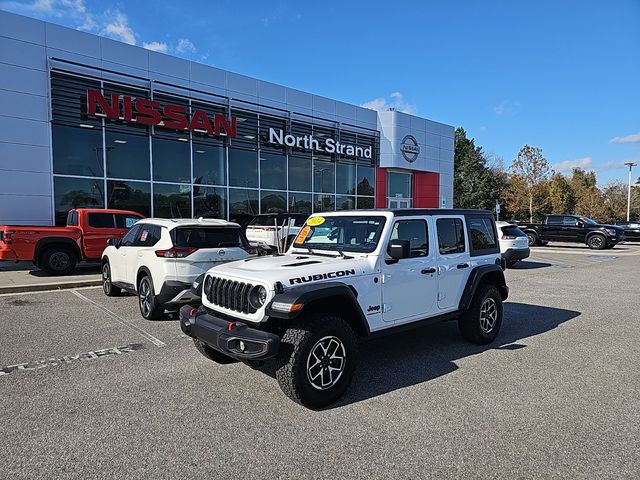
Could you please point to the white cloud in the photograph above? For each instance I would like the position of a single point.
(394, 101)
(185, 46)
(506, 107)
(119, 29)
(633, 138)
(156, 46)
(568, 165)
(75, 10)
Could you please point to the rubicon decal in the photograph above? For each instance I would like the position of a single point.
(321, 276)
(142, 110)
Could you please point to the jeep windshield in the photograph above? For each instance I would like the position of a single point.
(341, 233)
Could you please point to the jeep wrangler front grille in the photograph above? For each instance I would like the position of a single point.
(229, 294)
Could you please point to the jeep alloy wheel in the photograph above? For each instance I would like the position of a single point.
(325, 363)
(488, 315)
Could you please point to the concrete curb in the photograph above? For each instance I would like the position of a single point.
(42, 287)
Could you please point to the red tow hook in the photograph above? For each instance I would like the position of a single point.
(192, 311)
(231, 326)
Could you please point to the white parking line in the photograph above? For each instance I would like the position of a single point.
(127, 323)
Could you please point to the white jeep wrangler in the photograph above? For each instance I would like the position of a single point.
(349, 275)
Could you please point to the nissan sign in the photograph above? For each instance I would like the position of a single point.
(409, 148)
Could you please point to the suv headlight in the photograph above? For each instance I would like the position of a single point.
(258, 296)
(611, 231)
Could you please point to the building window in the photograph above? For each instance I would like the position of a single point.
(273, 171)
(324, 203)
(366, 181)
(171, 158)
(300, 203)
(365, 203)
(77, 150)
(72, 193)
(346, 178)
(300, 173)
(273, 202)
(344, 202)
(324, 176)
(243, 205)
(171, 201)
(134, 196)
(127, 155)
(209, 202)
(243, 168)
(209, 164)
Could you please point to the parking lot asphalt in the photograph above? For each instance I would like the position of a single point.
(89, 389)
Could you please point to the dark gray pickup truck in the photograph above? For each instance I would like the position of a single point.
(573, 228)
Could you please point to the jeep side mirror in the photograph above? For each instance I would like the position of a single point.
(579, 224)
(399, 249)
(114, 242)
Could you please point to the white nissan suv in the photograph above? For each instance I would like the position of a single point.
(159, 260)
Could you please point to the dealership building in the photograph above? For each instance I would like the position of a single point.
(87, 121)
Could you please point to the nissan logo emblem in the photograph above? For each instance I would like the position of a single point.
(409, 148)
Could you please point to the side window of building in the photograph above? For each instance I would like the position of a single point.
(450, 236)
(101, 220)
(125, 221)
(416, 232)
(129, 239)
(149, 236)
(481, 236)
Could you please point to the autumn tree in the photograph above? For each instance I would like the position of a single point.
(533, 168)
(591, 204)
(615, 201)
(561, 198)
(581, 181)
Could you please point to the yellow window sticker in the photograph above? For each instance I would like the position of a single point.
(302, 235)
(315, 221)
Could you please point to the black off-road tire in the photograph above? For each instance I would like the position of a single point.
(107, 287)
(151, 310)
(59, 261)
(597, 241)
(310, 335)
(472, 326)
(533, 239)
(212, 354)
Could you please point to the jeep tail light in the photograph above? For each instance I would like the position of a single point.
(176, 252)
(508, 237)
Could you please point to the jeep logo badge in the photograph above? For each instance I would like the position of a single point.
(409, 148)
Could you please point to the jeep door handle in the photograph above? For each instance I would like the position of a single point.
(462, 265)
(427, 271)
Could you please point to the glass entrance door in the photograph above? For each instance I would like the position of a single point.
(399, 190)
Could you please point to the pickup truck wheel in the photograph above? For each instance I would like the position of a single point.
(533, 239)
(212, 354)
(147, 301)
(481, 323)
(597, 242)
(317, 360)
(107, 287)
(58, 261)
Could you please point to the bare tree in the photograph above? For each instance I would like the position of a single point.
(534, 170)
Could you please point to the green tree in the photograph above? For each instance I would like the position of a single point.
(533, 168)
(475, 185)
(591, 204)
(561, 199)
(615, 201)
(581, 181)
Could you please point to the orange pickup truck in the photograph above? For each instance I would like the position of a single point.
(57, 250)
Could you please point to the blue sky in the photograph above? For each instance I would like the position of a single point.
(561, 75)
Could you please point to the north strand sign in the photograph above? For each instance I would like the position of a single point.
(327, 145)
(149, 112)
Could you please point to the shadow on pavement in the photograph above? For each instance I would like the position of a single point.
(397, 361)
(527, 265)
(84, 269)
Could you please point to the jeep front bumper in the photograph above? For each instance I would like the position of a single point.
(234, 339)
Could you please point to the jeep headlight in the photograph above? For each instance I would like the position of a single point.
(258, 296)
(611, 231)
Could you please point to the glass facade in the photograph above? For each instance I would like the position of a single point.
(165, 172)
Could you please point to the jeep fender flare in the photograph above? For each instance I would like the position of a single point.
(492, 274)
(45, 243)
(336, 295)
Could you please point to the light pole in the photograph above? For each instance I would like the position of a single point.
(630, 165)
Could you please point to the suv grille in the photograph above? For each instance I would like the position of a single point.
(229, 294)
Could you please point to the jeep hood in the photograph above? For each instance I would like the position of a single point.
(291, 269)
